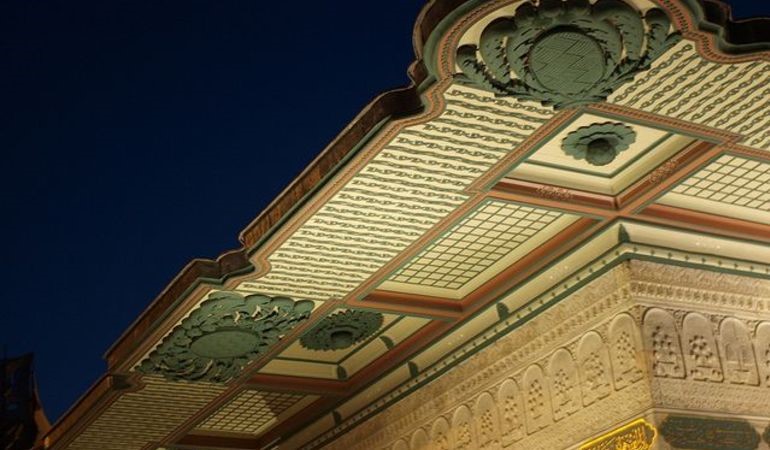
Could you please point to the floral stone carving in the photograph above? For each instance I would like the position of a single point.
(566, 53)
(600, 143)
(227, 331)
(342, 330)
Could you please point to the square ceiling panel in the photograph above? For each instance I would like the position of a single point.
(342, 343)
(478, 247)
(599, 154)
(729, 186)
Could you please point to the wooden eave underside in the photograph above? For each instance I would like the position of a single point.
(596, 210)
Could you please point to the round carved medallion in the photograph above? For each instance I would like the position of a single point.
(567, 61)
(342, 330)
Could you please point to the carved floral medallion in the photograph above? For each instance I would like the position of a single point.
(226, 332)
(342, 330)
(566, 53)
(600, 143)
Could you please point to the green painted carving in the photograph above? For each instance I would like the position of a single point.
(227, 331)
(566, 53)
(709, 434)
(599, 143)
(766, 435)
(342, 330)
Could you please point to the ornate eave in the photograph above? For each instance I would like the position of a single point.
(382, 236)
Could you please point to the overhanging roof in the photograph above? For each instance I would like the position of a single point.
(454, 210)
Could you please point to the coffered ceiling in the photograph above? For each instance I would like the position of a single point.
(540, 145)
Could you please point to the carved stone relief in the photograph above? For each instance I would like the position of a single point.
(487, 422)
(538, 403)
(763, 352)
(737, 352)
(566, 53)
(400, 445)
(662, 340)
(512, 423)
(463, 430)
(440, 435)
(625, 350)
(553, 387)
(595, 371)
(420, 440)
(700, 347)
(563, 376)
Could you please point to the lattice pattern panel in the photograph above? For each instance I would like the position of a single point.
(683, 85)
(414, 182)
(480, 240)
(139, 418)
(733, 180)
(250, 411)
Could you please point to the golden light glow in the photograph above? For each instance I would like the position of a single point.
(637, 435)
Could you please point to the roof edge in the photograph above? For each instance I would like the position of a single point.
(735, 37)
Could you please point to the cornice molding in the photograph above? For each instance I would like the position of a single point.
(734, 36)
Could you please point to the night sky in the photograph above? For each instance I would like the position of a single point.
(138, 135)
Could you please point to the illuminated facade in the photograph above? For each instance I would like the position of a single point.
(556, 238)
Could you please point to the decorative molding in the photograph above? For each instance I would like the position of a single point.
(599, 143)
(663, 171)
(219, 338)
(342, 330)
(554, 193)
(566, 54)
(709, 434)
(622, 355)
(541, 386)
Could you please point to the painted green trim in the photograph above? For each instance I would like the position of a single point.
(357, 348)
(614, 173)
(387, 341)
(341, 330)
(616, 137)
(224, 334)
(379, 334)
(614, 259)
(213, 282)
(563, 54)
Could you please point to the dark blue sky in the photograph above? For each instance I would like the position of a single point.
(139, 134)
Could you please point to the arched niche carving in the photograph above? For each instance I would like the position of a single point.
(400, 445)
(662, 341)
(420, 440)
(487, 422)
(762, 349)
(737, 353)
(536, 399)
(594, 364)
(509, 400)
(440, 435)
(563, 376)
(625, 351)
(700, 349)
(462, 429)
